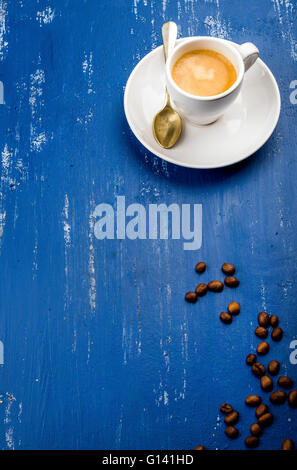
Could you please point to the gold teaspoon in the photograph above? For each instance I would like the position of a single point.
(167, 124)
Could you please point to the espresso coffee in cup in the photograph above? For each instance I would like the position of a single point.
(219, 66)
(204, 72)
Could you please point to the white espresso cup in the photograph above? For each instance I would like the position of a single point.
(207, 109)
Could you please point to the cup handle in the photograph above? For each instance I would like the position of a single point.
(249, 53)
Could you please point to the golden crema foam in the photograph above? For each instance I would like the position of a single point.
(204, 72)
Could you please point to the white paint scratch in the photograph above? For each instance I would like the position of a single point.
(286, 14)
(124, 342)
(166, 398)
(67, 244)
(85, 119)
(6, 166)
(9, 437)
(35, 256)
(217, 27)
(6, 160)
(37, 79)
(88, 71)
(37, 140)
(66, 225)
(119, 428)
(2, 222)
(135, 8)
(20, 412)
(46, 16)
(263, 296)
(38, 137)
(3, 29)
(91, 264)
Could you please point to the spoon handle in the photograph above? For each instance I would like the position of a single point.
(169, 35)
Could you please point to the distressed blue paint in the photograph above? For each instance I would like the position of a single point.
(101, 351)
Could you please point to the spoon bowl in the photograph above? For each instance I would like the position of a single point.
(167, 127)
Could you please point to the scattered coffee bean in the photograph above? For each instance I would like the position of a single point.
(228, 269)
(231, 281)
(261, 332)
(251, 359)
(274, 321)
(255, 429)
(277, 333)
(261, 410)
(266, 383)
(200, 267)
(216, 286)
(285, 382)
(191, 297)
(226, 318)
(288, 444)
(232, 418)
(252, 442)
(273, 367)
(263, 348)
(201, 289)
(226, 408)
(231, 432)
(263, 319)
(278, 397)
(258, 369)
(292, 399)
(200, 448)
(265, 420)
(253, 400)
(234, 308)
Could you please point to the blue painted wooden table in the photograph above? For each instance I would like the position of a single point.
(100, 349)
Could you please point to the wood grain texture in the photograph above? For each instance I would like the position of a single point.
(101, 350)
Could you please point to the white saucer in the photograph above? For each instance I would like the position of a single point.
(245, 127)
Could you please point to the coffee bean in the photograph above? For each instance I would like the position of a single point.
(253, 400)
(226, 318)
(274, 321)
(201, 289)
(191, 297)
(234, 308)
(285, 382)
(263, 319)
(288, 444)
(251, 359)
(266, 383)
(226, 408)
(258, 369)
(200, 267)
(231, 281)
(273, 367)
(216, 286)
(261, 332)
(265, 420)
(292, 399)
(200, 448)
(255, 429)
(228, 269)
(277, 333)
(278, 397)
(261, 410)
(231, 432)
(232, 417)
(252, 442)
(263, 348)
